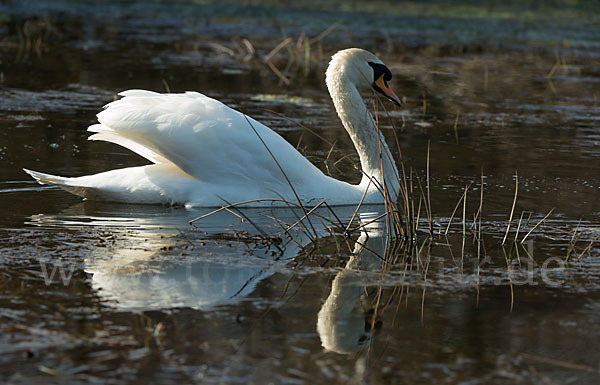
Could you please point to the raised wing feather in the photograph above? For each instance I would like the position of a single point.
(200, 135)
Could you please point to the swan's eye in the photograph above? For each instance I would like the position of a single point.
(379, 70)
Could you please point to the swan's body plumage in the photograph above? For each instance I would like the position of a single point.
(205, 153)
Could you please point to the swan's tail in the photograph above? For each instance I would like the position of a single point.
(62, 182)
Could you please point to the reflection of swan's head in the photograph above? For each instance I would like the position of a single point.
(344, 325)
(361, 68)
(345, 335)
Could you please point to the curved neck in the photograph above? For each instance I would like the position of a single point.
(375, 157)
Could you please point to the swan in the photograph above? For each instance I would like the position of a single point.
(205, 154)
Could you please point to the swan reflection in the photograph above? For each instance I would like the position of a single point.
(149, 259)
(346, 322)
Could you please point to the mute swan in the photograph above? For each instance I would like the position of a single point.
(205, 154)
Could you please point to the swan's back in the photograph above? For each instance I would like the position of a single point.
(200, 135)
(204, 154)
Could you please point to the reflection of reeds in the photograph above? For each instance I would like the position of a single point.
(32, 37)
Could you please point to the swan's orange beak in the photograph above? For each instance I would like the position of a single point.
(381, 86)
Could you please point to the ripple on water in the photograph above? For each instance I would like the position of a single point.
(71, 100)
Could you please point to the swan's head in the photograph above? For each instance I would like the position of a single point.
(363, 69)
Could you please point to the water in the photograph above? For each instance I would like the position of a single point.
(122, 293)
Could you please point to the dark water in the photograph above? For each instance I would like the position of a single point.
(120, 293)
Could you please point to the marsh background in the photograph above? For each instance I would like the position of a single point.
(502, 93)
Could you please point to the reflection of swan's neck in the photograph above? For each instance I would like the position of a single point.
(341, 321)
(368, 140)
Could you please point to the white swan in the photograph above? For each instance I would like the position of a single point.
(205, 154)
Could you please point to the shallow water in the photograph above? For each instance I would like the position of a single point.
(122, 293)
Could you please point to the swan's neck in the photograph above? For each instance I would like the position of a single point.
(375, 158)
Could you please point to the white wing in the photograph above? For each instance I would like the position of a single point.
(202, 136)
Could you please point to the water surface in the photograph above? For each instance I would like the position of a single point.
(93, 292)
